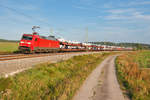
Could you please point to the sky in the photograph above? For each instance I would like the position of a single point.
(104, 20)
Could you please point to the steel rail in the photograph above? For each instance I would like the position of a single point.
(22, 56)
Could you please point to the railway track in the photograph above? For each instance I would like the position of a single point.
(22, 56)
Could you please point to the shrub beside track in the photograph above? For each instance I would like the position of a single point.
(50, 81)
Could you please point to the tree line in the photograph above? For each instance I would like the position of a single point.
(138, 46)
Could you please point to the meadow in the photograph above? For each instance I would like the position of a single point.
(50, 81)
(134, 74)
(8, 47)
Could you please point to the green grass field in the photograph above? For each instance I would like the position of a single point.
(8, 47)
(142, 59)
(134, 74)
(46, 81)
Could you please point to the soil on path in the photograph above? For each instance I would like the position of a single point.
(101, 84)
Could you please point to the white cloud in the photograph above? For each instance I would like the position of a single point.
(137, 3)
(117, 17)
(81, 7)
(87, 2)
(28, 7)
(108, 5)
(131, 17)
(141, 16)
(126, 14)
(120, 11)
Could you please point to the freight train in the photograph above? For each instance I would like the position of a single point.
(32, 43)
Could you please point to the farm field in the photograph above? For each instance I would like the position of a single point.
(8, 47)
(134, 74)
(50, 81)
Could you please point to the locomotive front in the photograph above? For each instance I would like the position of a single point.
(26, 43)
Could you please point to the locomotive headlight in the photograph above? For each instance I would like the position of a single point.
(21, 42)
(28, 42)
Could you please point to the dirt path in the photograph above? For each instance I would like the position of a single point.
(101, 84)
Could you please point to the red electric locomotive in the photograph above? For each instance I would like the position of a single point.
(31, 43)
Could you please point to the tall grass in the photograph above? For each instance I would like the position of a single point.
(47, 81)
(134, 79)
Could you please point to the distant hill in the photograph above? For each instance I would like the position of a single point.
(134, 45)
(4, 40)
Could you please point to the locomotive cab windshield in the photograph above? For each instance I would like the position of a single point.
(25, 37)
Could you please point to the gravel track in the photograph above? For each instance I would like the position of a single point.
(101, 84)
(12, 67)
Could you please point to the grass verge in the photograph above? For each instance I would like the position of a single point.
(133, 76)
(46, 81)
(8, 47)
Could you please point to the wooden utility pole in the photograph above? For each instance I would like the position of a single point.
(51, 31)
(86, 37)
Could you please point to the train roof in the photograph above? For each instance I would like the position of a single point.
(43, 37)
(48, 38)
